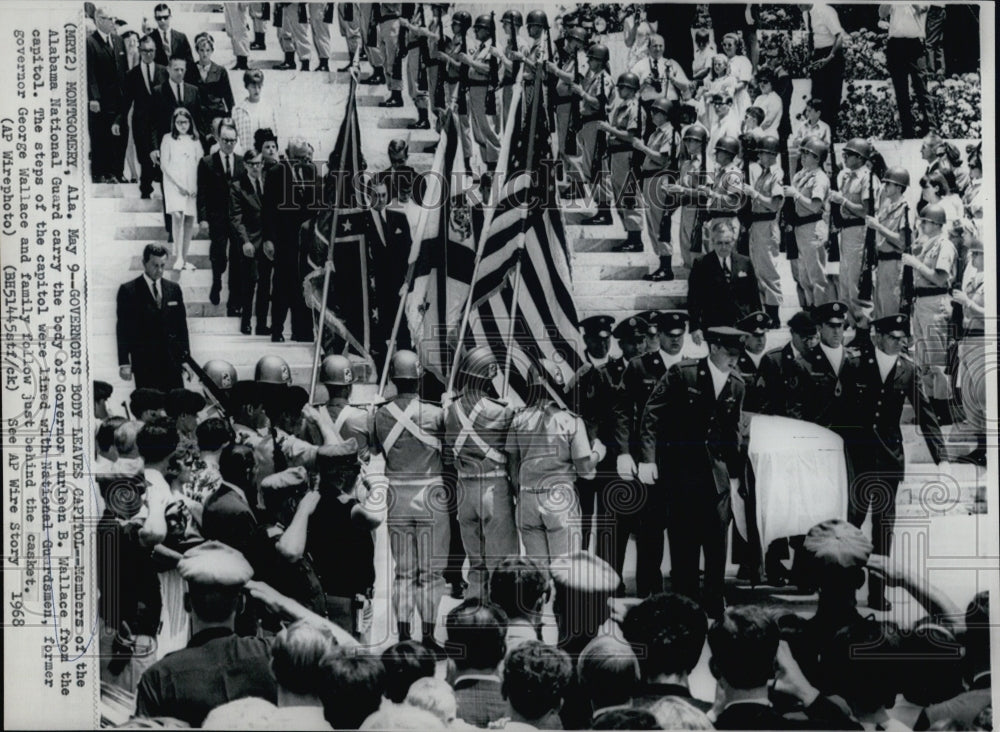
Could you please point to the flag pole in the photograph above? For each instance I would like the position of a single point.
(415, 245)
(328, 264)
(498, 181)
(529, 163)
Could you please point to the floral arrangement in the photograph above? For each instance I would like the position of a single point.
(780, 17)
(864, 55)
(785, 48)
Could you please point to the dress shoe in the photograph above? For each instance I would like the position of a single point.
(628, 245)
(663, 274)
(213, 295)
(420, 124)
(601, 218)
(262, 330)
(378, 77)
(277, 338)
(394, 100)
(344, 69)
(245, 328)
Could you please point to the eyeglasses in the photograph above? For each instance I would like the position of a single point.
(147, 50)
(227, 139)
(162, 17)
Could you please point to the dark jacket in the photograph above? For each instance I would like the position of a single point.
(106, 67)
(245, 208)
(179, 46)
(784, 374)
(213, 189)
(821, 714)
(712, 300)
(288, 204)
(164, 104)
(640, 378)
(153, 339)
(827, 398)
(215, 95)
(136, 97)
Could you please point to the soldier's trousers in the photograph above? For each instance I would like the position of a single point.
(548, 519)
(624, 189)
(852, 254)
(698, 520)
(418, 95)
(374, 54)
(507, 99)
(418, 538)
(486, 518)
(351, 31)
(888, 287)
(572, 164)
(630, 510)
(484, 126)
(811, 240)
(931, 317)
(875, 488)
(464, 126)
(764, 246)
(294, 35)
(685, 234)
(260, 14)
(321, 32)
(655, 200)
(590, 164)
(388, 47)
(235, 18)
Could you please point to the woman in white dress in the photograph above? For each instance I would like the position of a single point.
(635, 32)
(180, 152)
(718, 82)
(740, 69)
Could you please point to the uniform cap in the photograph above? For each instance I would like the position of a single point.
(897, 175)
(514, 17)
(405, 365)
(696, 132)
(838, 543)
(729, 144)
(672, 322)
(597, 325)
(599, 51)
(483, 21)
(650, 317)
(802, 323)
(628, 79)
(630, 329)
(725, 336)
(290, 478)
(336, 371)
(215, 563)
(272, 370)
(897, 325)
(222, 373)
(859, 146)
(754, 324)
(662, 105)
(935, 213)
(584, 573)
(831, 312)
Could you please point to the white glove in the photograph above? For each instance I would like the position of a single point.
(648, 473)
(598, 447)
(626, 467)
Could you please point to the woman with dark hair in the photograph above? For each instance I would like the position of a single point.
(179, 155)
(404, 663)
(937, 189)
(215, 95)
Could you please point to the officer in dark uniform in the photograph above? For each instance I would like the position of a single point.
(630, 334)
(826, 396)
(883, 379)
(690, 432)
(217, 666)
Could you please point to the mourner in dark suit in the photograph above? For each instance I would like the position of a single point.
(215, 95)
(152, 326)
(390, 239)
(167, 97)
(245, 206)
(722, 287)
(216, 172)
(883, 380)
(291, 193)
(141, 82)
(690, 434)
(107, 63)
(169, 43)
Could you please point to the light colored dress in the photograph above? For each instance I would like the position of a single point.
(741, 70)
(179, 161)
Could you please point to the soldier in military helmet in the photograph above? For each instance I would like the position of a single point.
(892, 228)
(485, 126)
(451, 67)
(596, 92)
(658, 167)
(852, 197)
(766, 197)
(810, 191)
(549, 449)
(476, 425)
(686, 191)
(884, 379)
(337, 374)
(224, 377)
(724, 194)
(567, 70)
(510, 43)
(408, 431)
(536, 54)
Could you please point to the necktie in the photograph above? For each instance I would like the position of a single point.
(260, 193)
(149, 78)
(156, 292)
(727, 270)
(225, 165)
(177, 93)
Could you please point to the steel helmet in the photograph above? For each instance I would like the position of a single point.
(545, 370)
(222, 373)
(768, 144)
(600, 52)
(897, 175)
(480, 362)
(461, 18)
(935, 213)
(483, 21)
(816, 146)
(272, 370)
(538, 17)
(578, 34)
(859, 146)
(696, 132)
(336, 371)
(729, 144)
(662, 104)
(405, 365)
(514, 17)
(628, 79)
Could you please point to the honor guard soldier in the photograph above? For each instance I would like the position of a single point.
(810, 191)
(852, 197)
(595, 387)
(223, 375)
(884, 379)
(536, 55)
(784, 370)
(567, 105)
(280, 450)
(726, 192)
(548, 449)
(408, 432)
(260, 13)
(418, 60)
(892, 226)
(294, 36)
(690, 434)
(234, 16)
(320, 21)
(336, 374)
(596, 93)
(631, 336)
(660, 159)
(388, 53)
(512, 22)
(217, 666)
(475, 431)
(484, 125)
(624, 123)
(826, 397)
(933, 265)
(454, 72)
(693, 173)
(766, 197)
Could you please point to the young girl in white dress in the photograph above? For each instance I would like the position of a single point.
(180, 152)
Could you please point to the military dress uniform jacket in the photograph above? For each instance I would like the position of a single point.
(784, 374)
(408, 431)
(597, 391)
(690, 432)
(827, 398)
(640, 378)
(756, 390)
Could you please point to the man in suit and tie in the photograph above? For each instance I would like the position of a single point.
(690, 435)
(390, 241)
(245, 205)
(152, 326)
(291, 194)
(722, 287)
(883, 380)
(140, 84)
(107, 63)
(169, 43)
(216, 172)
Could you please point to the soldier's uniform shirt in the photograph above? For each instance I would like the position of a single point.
(666, 70)
(640, 378)
(764, 233)
(216, 667)
(749, 367)
(819, 130)
(601, 87)
(811, 237)
(537, 52)
(853, 185)
(938, 254)
(784, 373)
(490, 420)
(889, 274)
(624, 114)
(350, 421)
(664, 141)
(826, 396)
(932, 314)
(597, 84)
(296, 452)
(727, 182)
(408, 432)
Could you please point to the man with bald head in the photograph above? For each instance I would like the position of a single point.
(291, 196)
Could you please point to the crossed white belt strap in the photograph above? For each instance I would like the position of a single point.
(338, 424)
(404, 422)
(468, 432)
